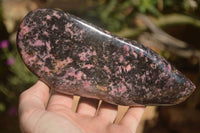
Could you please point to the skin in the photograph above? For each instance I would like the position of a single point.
(38, 117)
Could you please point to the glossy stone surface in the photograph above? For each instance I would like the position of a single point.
(77, 58)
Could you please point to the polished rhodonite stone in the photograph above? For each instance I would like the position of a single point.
(75, 57)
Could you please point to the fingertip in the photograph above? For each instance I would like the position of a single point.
(136, 112)
(39, 89)
(35, 97)
(132, 117)
(41, 85)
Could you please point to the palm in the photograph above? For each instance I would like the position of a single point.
(58, 116)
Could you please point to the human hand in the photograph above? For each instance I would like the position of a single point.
(58, 116)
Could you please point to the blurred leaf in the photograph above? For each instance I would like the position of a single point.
(2, 107)
(149, 6)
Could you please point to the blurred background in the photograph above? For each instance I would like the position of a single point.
(170, 27)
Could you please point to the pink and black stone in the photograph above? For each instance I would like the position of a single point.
(75, 57)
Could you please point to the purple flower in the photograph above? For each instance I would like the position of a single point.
(12, 111)
(4, 44)
(10, 61)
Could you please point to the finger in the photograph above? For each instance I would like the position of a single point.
(107, 112)
(87, 106)
(132, 118)
(32, 105)
(35, 97)
(60, 103)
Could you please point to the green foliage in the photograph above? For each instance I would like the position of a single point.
(117, 14)
(149, 6)
(14, 75)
